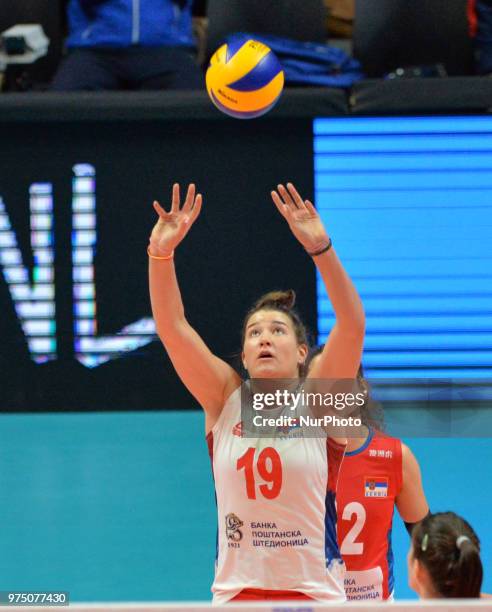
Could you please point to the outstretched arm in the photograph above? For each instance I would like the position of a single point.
(342, 353)
(411, 501)
(209, 379)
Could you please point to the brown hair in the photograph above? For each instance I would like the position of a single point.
(283, 301)
(449, 549)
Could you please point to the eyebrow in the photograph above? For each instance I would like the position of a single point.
(258, 323)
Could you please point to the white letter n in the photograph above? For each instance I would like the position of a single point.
(90, 349)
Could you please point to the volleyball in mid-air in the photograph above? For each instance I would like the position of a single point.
(244, 78)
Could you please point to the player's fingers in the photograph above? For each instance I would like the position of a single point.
(311, 208)
(175, 198)
(197, 206)
(281, 207)
(286, 196)
(290, 212)
(190, 198)
(159, 210)
(299, 202)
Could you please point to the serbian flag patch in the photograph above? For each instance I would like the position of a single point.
(375, 486)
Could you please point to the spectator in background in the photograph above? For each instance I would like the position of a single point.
(480, 20)
(129, 44)
(341, 15)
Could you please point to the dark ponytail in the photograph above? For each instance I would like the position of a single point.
(449, 549)
(469, 568)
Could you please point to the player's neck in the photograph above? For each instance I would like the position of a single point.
(353, 444)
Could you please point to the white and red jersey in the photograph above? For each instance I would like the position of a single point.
(276, 511)
(369, 481)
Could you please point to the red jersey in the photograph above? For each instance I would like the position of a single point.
(369, 481)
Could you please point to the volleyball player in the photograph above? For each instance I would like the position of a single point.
(275, 496)
(378, 473)
(444, 558)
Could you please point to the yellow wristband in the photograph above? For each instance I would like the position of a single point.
(161, 258)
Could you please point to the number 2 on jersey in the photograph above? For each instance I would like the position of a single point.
(349, 545)
(269, 468)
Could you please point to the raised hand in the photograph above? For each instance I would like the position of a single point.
(172, 226)
(302, 217)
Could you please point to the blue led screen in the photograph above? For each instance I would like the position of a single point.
(408, 203)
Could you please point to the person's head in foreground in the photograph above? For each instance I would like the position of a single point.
(444, 558)
(274, 339)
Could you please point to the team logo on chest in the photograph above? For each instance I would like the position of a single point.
(376, 486)
(233, 533)
(381, 453)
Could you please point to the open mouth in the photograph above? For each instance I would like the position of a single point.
(265, 355)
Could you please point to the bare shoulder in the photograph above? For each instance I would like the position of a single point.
(411, 500)
(213, 412)
(410, 465)
(409, 461)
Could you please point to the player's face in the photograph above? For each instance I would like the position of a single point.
(270, 348)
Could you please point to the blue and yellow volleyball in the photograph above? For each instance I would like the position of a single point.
(244, 78)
